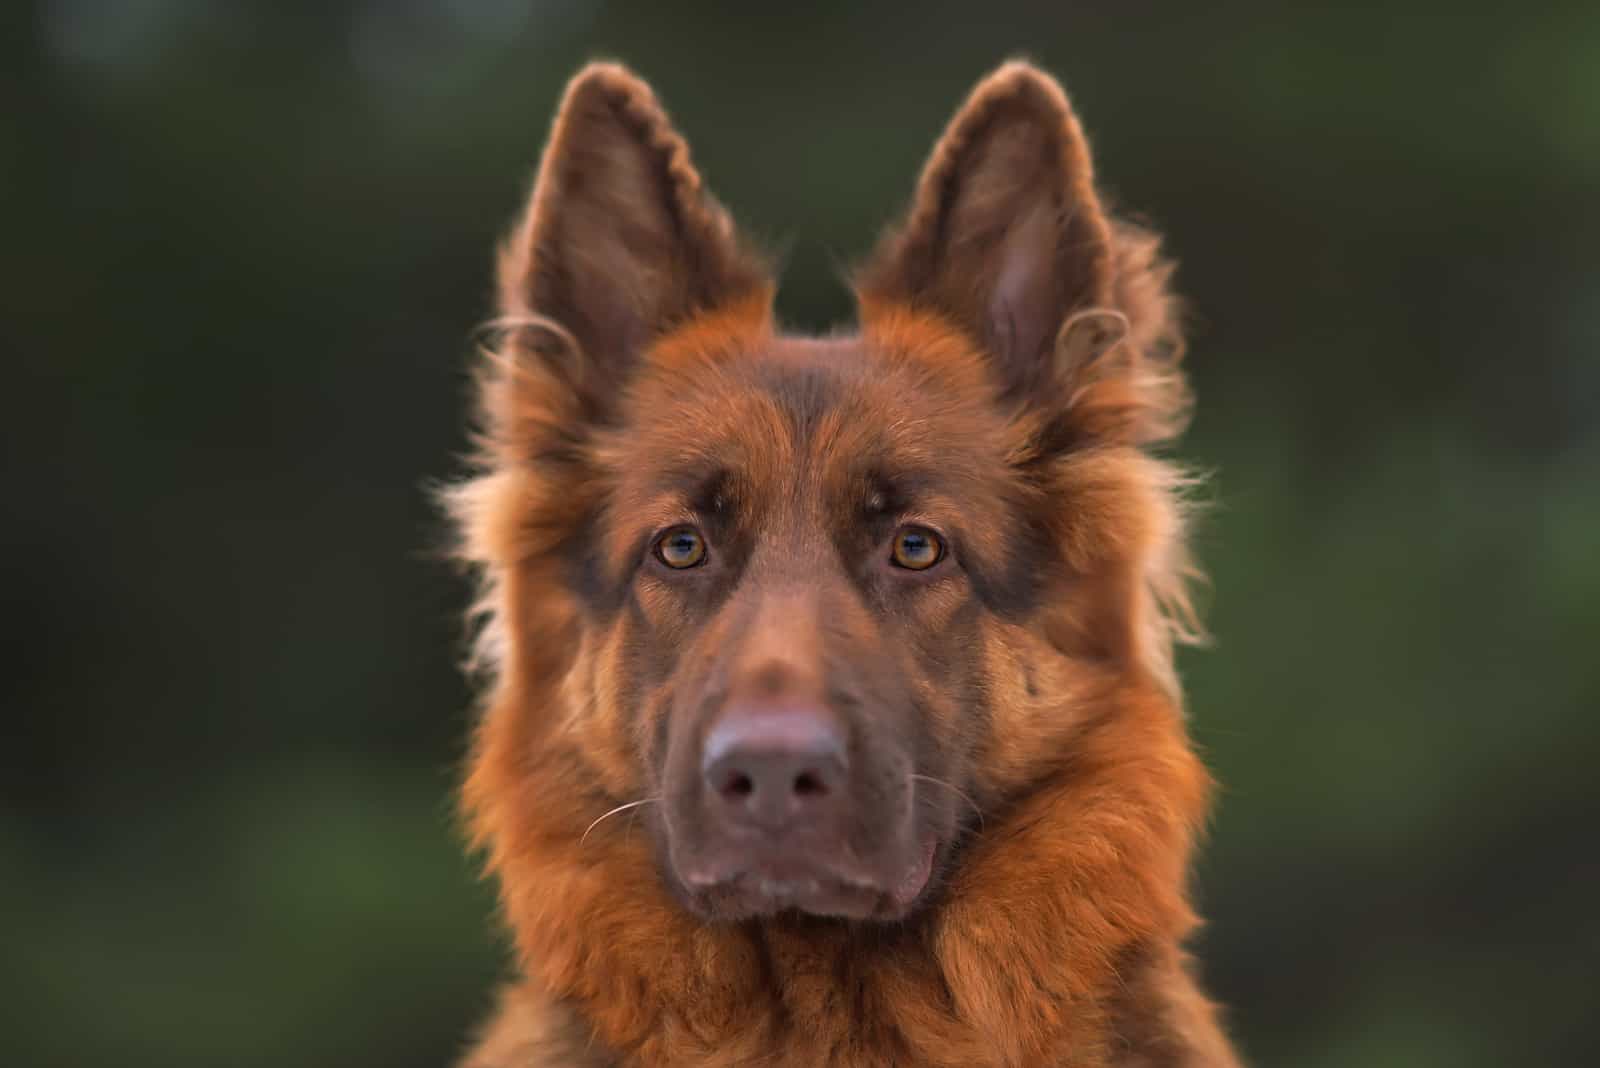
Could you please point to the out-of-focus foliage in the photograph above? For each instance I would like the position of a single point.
(245, 246)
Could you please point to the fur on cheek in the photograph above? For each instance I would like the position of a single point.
(596, 717)
(593, 926)
(1040, 913)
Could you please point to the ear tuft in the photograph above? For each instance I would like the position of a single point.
(1084, 339)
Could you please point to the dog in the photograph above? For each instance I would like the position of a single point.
(829, 710)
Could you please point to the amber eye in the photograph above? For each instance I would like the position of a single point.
(681, 547)
(917, 548)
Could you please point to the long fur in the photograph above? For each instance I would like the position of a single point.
(1056, 937)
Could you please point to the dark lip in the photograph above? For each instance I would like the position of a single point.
(776, 883)
(752, 895)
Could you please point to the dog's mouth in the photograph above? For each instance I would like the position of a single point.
(781, 805)
(773, 881)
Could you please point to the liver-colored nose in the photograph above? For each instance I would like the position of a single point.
(772, 766)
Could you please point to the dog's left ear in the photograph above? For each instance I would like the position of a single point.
(1006, 236)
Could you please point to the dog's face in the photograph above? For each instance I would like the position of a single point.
(831, 600)
(796, 568)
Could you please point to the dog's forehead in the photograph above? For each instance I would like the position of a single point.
(783, 406)
(813, 382)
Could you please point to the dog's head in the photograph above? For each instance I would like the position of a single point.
(822, 605)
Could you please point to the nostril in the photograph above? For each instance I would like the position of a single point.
(809, 784)
(738, 786)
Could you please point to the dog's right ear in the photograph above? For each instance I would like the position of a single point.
(620, 243)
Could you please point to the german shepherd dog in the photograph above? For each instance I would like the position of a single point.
(830, 712)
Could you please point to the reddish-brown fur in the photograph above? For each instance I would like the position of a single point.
(631, 313)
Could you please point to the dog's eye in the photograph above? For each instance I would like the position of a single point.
(681, 547)
(917, 548)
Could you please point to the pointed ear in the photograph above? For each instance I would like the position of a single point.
(1006, 236)
(620, 241)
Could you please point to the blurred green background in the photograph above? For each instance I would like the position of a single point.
(245, 246)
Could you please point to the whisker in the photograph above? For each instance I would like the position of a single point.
(952, 788)
(615, 811)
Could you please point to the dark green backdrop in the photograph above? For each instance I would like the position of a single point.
(244, 249)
